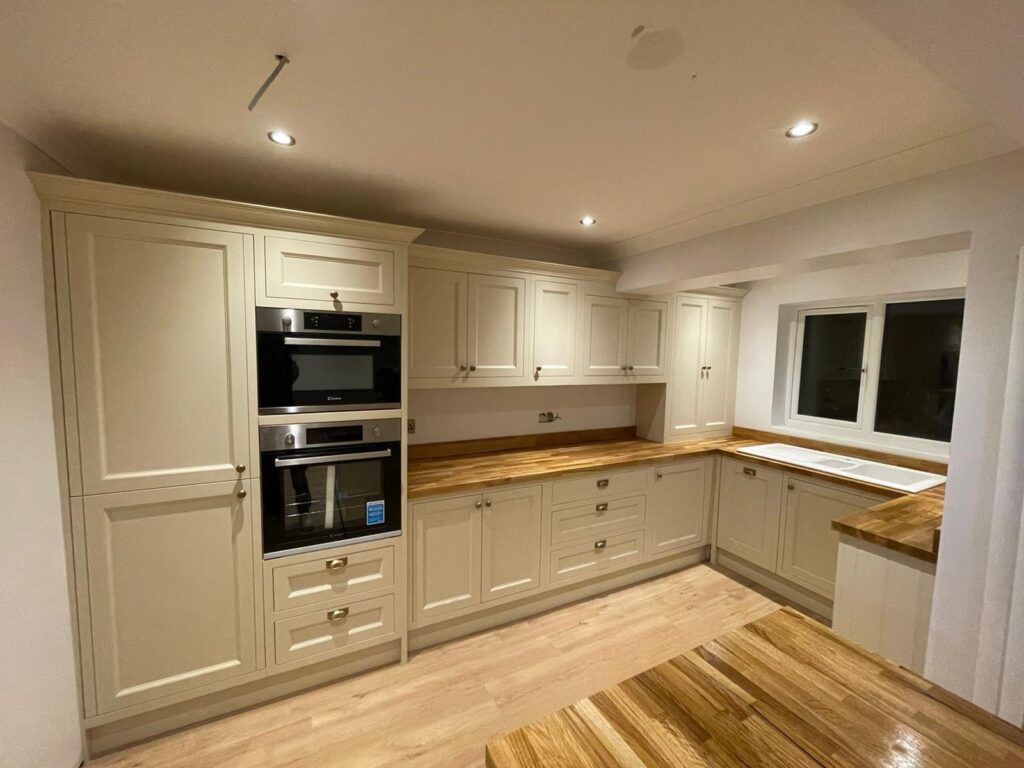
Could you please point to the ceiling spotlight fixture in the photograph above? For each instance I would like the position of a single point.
(588, 221)
(801, 129)
(282, 138)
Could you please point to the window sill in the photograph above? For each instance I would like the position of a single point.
(910, 447)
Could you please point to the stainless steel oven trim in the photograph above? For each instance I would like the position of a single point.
(287, 409)
(337, 544)
(334, 458)
(275, 437)
(275, 320)
(301, 341)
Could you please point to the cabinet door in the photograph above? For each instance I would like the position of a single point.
(170, 582)
(648, 325)
(809, 546)
(680, 506)
(554, 329)
(446, 555)
(497, 326)
(687, 365)
(719, 374)
(158, 323)
(749, 511)
(511, 542)
(437, 323)
(605, 320)
(330, 270)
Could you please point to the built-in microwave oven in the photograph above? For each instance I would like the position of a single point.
(310, 362)
(330, 483)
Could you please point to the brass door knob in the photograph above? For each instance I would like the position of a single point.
(240, 468)
(472, 367)
(334, 294)
(487, 503)
(242, 494)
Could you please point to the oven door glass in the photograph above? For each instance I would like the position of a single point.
(308, 374)
(321, 497)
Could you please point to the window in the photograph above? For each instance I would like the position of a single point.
(885, 368)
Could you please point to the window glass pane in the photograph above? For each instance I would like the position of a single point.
(917, 380)
(830, 369)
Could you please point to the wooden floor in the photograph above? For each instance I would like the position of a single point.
(781, 692)
(448, 702)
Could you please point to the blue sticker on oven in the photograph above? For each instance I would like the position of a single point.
(375, 512)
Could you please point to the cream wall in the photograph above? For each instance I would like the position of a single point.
(446, 414)
(39, 714)
(763, 355)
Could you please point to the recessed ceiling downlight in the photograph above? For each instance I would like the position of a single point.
(800, 129)
(282, 138)
(588, 221)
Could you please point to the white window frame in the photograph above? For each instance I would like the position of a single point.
(862, 431)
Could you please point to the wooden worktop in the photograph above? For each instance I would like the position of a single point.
(906, 524)
(781, 691)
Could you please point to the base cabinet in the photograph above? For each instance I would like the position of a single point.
(511, 542)
(446, 555)
(680, 506)
(170, 590)
(750, 512)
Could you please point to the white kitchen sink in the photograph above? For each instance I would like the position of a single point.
(876, 473)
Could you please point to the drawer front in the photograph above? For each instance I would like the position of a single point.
(596, 519)
(591, 558)
(333, 578)
(334, 630)
(597, 486)
(330, 270)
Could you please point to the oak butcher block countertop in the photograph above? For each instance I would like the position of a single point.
(907, 523)
(782, 691)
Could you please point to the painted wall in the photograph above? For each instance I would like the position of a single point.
(763, 354)
(983, 202)
(39, 725)
(467, 414)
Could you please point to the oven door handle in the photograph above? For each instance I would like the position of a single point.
(333, 458)
(298, 341)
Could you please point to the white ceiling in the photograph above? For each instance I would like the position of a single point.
(488, 117)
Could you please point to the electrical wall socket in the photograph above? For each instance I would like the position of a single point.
(411, 426)
(546, 417)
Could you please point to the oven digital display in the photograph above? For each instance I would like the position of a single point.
(331, 321)
(337, 434)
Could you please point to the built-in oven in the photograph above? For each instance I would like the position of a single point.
(309, 362)
(330, 483)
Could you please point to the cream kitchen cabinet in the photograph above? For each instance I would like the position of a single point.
(157, 322)
(703, 376)
(624, 337)
(809, 547)
(510, 562)
(466, 326)
(750, 512)
(680, 505)
(555, 307)
(334, 273)
(168, 575)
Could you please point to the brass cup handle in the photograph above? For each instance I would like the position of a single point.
(337, 614)
(603, 483)
(749, 472)
(240, 468)
(241, 494)
(336, 563)
(601, 544)
(602, 507)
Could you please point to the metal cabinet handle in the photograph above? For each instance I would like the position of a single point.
(625, 368)
(337, 614)
(602, 507)
(749, 472)
(472, 367)
(602, 483)
(487, 503)
(601, 544)
(335, 563)
(242, 494)
(334, 294)
(462, 367)
(540, 368)
(658, 475)
(629, 368)
(709, 371)
(240, 468)
(790, 487)
(478, 505)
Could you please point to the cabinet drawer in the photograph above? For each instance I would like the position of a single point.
(597, 486)
(596, 519)
(591, 558)
(333, 630)
(333, 578)
(330, 270)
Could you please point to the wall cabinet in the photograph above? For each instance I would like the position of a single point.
(497, 326)
(333, 271)
(158, 328)
(648, 330)
(750, 512)
(170, 590)
(555, 307)
(680, 506)
(624, 337)
(703, 377)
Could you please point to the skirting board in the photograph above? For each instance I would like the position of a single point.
(530, 606)
(799, 595)
(106, 738)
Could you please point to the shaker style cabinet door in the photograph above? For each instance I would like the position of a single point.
(511, 541)
(749, 512)
(554, 329)
(648, 329)
(680, 507)
(437, 323)
(158, 325)
(605, 323)
(446, 556)
(722, 328)
(688, 369)
(170, 584)
(497, 326)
